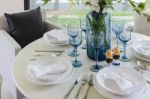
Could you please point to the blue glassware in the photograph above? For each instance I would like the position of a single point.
(83, 28)
(124, 37)
(96, 43)
(117, 27)
(72, 52)
(96, 23)
(76, 40)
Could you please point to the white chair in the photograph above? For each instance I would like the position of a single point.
(8, 50)
(140, 24)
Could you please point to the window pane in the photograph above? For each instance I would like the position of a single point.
(63, 12)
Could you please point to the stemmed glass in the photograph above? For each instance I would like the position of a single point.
(117, 27)
(83, 28)
(124, 37)
(72, 52)
(96, 43)
(76, 40)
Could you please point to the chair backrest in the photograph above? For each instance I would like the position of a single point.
(4, 24)
(141, 25)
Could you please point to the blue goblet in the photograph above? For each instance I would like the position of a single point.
(117, 27)
(70, 30)
(96, 44)
(83, 28)
(124, 38)
(76, 40)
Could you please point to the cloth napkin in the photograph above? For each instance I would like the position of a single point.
(58, 35)
(145, 50)
(121, 83)
(54, 69)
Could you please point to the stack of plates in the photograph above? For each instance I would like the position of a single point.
(120, 83)
(49, 70)
(141, 49)
(57, 37)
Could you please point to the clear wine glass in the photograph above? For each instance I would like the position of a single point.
(117, 27)
(72, 52)
(96, 43)
(124, 37)
(84, 35)
(76, 40)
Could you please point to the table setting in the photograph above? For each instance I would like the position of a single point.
(98, 58)
(114, 77)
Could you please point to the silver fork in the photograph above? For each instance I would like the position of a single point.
(90, 83)
(83, 82)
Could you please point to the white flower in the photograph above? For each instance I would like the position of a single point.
(94, 2)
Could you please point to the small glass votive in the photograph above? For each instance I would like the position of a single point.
(109, 57)
(116, 56)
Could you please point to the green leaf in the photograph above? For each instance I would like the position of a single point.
(141, 5)
(46, 1)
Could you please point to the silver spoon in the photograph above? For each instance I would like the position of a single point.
(142, 66)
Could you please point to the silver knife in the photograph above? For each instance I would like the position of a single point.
(72, 87)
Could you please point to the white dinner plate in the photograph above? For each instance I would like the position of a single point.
(137, 53)
(131, 75)
(47, 80)
(142, 94)
(51, 40)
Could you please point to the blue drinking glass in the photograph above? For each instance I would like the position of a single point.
(72, 52)
(96, 43)
(76, 40)
(124, 37)
(84, 35)
(117, 27)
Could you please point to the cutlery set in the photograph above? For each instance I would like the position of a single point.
(53, 53)
(143, 69)
(81, 81)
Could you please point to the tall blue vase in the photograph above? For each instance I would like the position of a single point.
(98, 25)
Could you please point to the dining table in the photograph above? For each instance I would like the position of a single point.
(58, 91)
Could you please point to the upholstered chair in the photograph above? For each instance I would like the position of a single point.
(8, 50)
(140, 24)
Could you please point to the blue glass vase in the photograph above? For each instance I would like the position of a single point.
(98, 24)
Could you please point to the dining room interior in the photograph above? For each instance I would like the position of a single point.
(74, 49)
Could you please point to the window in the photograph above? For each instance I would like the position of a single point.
(63, 12)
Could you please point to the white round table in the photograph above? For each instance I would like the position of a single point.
(32, 91)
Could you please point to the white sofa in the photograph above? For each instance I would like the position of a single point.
(8, 50)
(140, 23)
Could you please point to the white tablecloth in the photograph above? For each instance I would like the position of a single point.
(33, 91)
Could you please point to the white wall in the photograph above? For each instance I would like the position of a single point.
(11, 6)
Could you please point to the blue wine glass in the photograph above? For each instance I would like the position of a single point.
(72, 52)
(96, 44)
(117, 27)
(124, 37)
(76, 40)
(83, 28)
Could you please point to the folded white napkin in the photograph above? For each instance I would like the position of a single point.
(121, 83)
(53, 69)
(145, 50)
(58, 35)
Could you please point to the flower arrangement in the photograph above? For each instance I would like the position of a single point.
(99, 23)
(99, 5)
